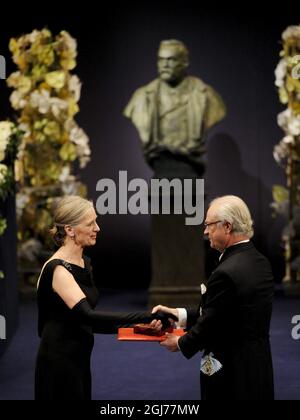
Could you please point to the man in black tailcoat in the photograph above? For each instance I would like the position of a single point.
(232, 323)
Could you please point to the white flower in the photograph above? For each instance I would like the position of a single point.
(83, 161)
(281, 152)
(78, 136)
(13, 80)
(24, 127)
(292, 31)
(6, 128)
(281, 208)
(280, 72)
(81, 140)
(40, 100)
(294, 126)
(33, 36)
(21, 200)
(21, 150)
(69, 184)
(3, 172)
(70, 187)
(65, 175)
(282, 118)
(17, 100)
(74, 86)
(288, 140)
(289, 122)
(18, 81)
(57, 106)
(70, 42)
(45, 103)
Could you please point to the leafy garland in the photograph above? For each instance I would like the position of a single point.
(287, 152)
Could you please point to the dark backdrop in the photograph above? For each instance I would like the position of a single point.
(235, 51)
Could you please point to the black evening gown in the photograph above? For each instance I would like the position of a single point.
(63, 360)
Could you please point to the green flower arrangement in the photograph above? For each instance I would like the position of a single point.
(8, 149)
(45, 97)
(9, 140)
(287, 151)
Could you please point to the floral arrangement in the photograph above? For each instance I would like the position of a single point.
(9, 138)
(8, 149)
(287, 152)
(45, 97)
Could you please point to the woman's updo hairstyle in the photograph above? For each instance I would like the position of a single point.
(68, 210)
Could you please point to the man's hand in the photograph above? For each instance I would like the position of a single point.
(166, 309)
(167, 316)
(170, 343)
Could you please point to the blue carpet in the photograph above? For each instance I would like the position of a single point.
(144, 371)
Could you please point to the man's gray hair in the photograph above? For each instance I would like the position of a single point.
(179, 45)
(234, 210)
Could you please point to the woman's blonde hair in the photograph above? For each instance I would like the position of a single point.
(234, 210)
(68, 210)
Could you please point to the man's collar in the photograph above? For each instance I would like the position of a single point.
(241, 242)
(231, 246)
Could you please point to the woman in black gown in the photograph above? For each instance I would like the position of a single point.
(66, 298)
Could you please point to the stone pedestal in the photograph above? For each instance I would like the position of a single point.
(177, 249)
(177, 261)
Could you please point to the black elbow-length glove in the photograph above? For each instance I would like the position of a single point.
(108, 322)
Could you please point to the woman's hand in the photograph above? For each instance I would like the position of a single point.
(156, 324)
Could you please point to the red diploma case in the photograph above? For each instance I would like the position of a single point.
(127, 334)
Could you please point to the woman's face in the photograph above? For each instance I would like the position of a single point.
(86, 231)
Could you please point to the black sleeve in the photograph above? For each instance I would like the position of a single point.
(210, 325)
(104, 322)
(192, 317)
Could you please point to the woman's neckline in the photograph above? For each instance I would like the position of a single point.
(68, 262)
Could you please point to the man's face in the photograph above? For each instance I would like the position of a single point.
(215, 229)
(170, 64)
